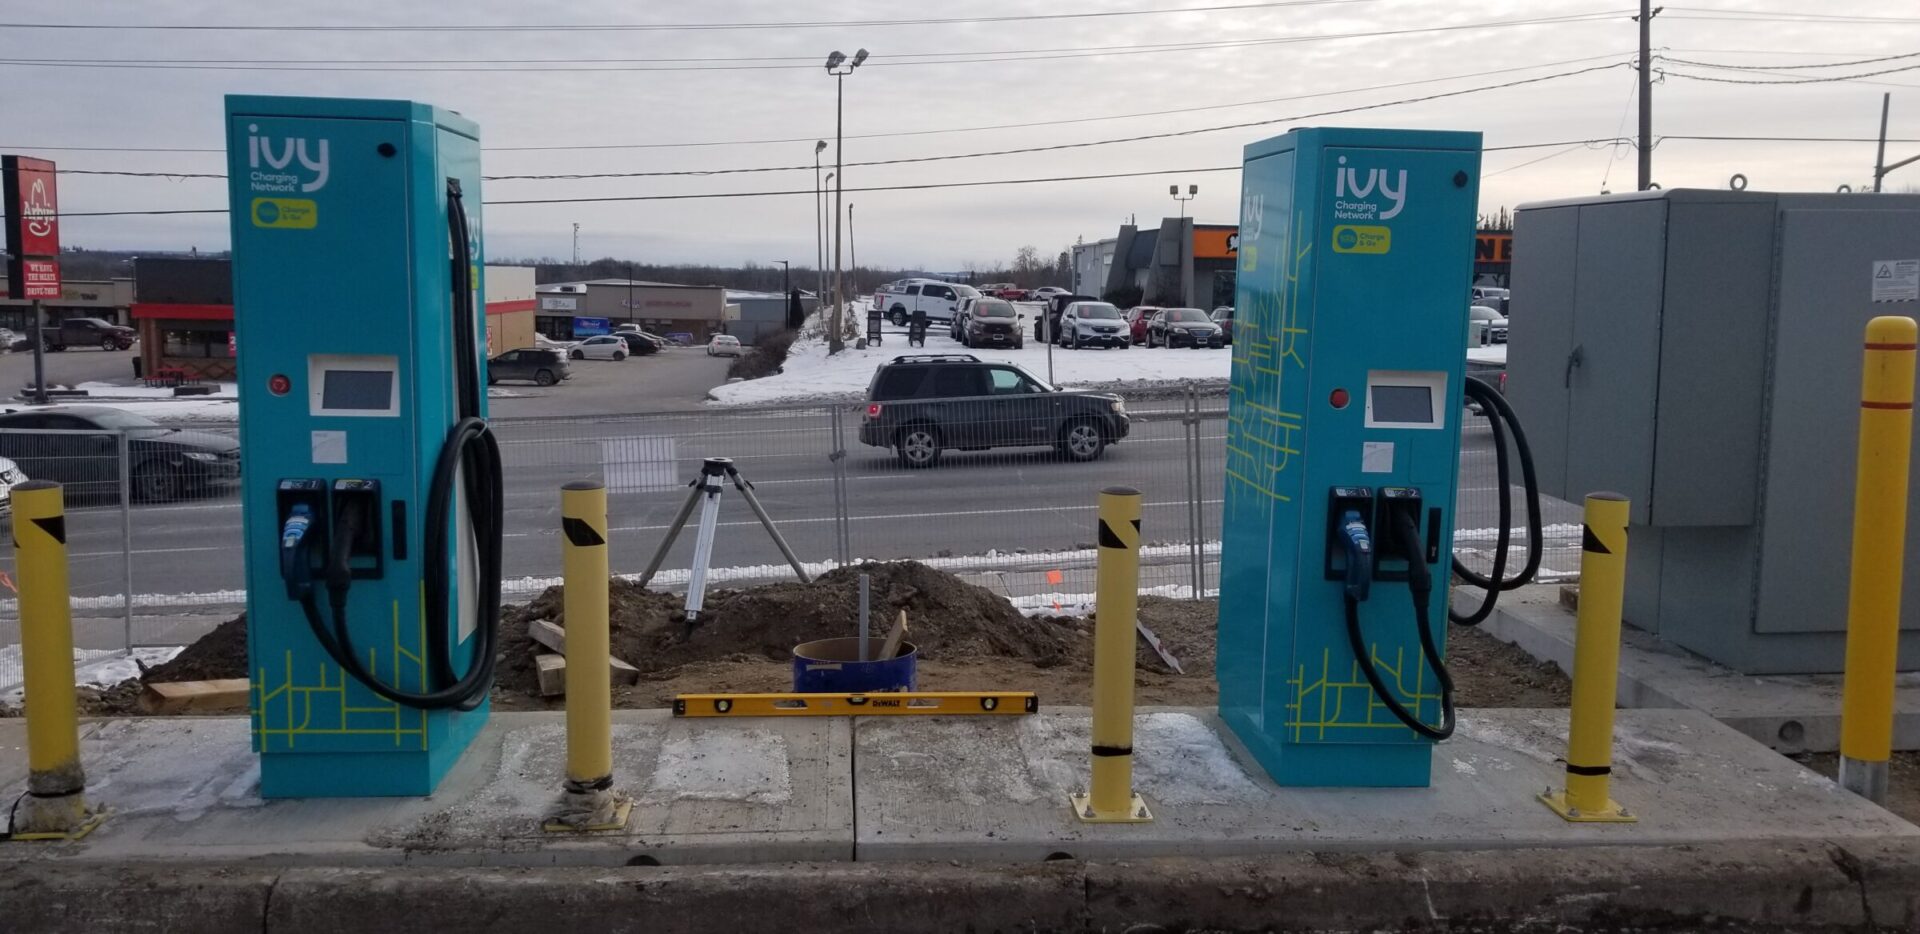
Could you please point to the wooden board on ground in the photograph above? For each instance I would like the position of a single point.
(224, 694)
(899, 633)
(551, 635)
(552, 670)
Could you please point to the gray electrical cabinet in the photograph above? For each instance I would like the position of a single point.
(1700, 352)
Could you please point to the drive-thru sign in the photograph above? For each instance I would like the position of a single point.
(33, 228)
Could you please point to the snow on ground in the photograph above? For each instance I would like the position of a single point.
(97, 668)
(161, 405)
(1493, 353)
(810, 374)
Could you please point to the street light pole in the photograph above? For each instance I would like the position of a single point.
(819, 225)
(786, 283)
(853, 253)
(1192, 192)
(834, 61)
(576, 244)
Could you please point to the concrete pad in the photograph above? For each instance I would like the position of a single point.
(704, 791)
(1790, 713)
(997, 789)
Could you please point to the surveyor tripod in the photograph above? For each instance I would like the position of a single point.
(705, 492)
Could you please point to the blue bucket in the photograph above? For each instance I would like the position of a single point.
(833, 666)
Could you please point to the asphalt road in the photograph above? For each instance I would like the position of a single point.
(80, 365)
(972, 503)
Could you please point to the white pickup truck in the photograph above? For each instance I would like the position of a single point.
(939, 300)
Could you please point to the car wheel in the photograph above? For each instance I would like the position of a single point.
(577, 355)
(1082, 441)
(1019, 344)
(619, 355)
(898, 317)
(918, 446)
(108, 343)
(152, 483)
(1125, 344)
(491, 381)
(1150, 342)
(543, 378)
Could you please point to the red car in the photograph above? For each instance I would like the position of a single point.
(1137, 322)
(1005, 290)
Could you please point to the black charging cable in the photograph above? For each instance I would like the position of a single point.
(1406, 530)
(1501, 418)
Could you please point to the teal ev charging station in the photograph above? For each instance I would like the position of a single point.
(1343, 440)
(371, 495)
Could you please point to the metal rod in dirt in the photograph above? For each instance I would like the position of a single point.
(126, 538)
(673, 532)
(746, 490)
(865, 583)
(703, 550)
(839, 458)
(1193, 487)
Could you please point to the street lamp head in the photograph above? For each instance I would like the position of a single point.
(1193, 190)
(834, 60)
(820, 146)
(859, 57)
(1173, 190)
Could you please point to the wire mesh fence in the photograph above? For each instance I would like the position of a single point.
(1008, 502)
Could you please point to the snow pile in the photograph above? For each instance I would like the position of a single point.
(94, 668)
(162, 405)
(810, 374)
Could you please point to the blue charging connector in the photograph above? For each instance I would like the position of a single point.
(296, 568)
(1353, 531)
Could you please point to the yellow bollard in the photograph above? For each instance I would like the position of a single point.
(55, 806)
(588, 802)
(1596, 665)
(1117, 592)
(1879, 553)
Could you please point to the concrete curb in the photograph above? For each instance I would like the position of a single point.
(1873, 885)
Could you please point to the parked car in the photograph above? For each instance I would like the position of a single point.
(640, 343)
(79, 446)
(1045, 293)
(545, 366)
(1046, 326)
(1172, 327)
(10, 476)
(7, 340)
(938, 300)
(602, 347)
(87, 332)
(1137, 318)
(1007, 290)
(723, 345)
(1223, 316)
(1093, 324)
(543, 341)
(922, 405)
(1493, 321)
(1489, 291)
(992, 322)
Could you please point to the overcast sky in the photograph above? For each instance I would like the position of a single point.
(943, 229)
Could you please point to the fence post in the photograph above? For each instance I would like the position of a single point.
(1196, 549)
(126, 538)
(55, 805)
(1879, 554)
(588, 801)
(1110, 798)
(841, 526)
(1596, 665)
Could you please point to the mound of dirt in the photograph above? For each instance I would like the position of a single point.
(947, 618)
(221, 653)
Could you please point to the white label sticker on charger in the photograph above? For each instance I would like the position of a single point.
(329, 447)
(1376, 457)
(1896, 280)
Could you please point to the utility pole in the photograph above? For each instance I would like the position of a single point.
(786, 280)
(819, 226)
(576, 244)
(853, 253)
(1647, 13)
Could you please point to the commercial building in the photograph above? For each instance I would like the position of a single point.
(1090, 264)
(754, 315)
(183, 310)
(1177, 263)
(108, 299)
(570, 310)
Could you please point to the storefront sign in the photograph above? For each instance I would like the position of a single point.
(33, 227)
(590, 327)
(559, 303)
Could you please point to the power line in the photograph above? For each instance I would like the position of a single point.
(1732, 67)
(671, 27)
(1825, 79)
(579, 147)
(946, 157)
(722, 63)
(1788, 16)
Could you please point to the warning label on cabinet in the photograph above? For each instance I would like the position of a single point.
(1896, 280)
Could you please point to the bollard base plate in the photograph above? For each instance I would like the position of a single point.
(614, 817)
(1613, 813)
(1136, 812)
(88, 822)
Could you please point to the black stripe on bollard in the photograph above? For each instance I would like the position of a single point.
(1589, 769)
(55, 526)
(1105, 751)
(580, 533)
(1107, 538)
(1591, 542)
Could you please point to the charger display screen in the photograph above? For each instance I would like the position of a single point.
(1407, 405)
(357, 390)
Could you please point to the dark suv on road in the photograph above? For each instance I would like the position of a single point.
(921, 405)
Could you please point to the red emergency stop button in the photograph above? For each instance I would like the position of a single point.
(1338, 398)
(279, 384)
